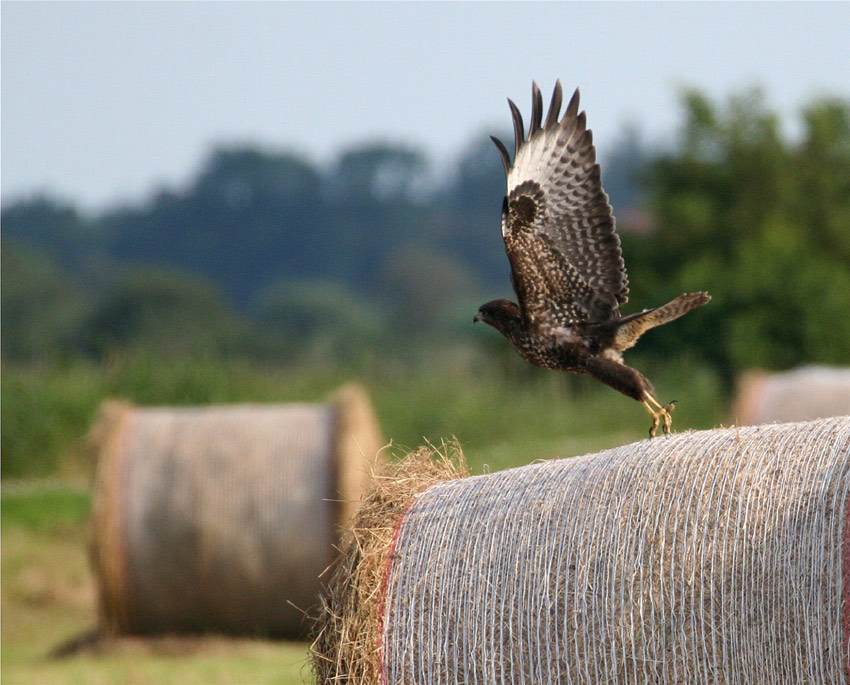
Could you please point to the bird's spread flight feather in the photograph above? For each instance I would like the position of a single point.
(558, 227)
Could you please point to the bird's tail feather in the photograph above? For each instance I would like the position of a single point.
(633, 326)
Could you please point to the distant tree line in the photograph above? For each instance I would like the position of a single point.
(268, 255)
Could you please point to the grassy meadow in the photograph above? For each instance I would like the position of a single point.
(49, 599)
(504, 415)
(317, 276)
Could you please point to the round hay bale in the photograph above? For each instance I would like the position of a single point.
(805, 393)
(718, 556)
(220, 519)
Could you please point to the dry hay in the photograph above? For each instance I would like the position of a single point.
(802, 394)
(348, 629)
(220, 519)
(706, 557)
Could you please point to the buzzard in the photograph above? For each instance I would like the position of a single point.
(567, 267)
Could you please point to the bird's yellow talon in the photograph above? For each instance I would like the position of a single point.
(668, 420)
(658, 415)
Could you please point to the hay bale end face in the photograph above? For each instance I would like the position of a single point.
(711, 556)
(350, 625)
(221, 519)
(802, 394)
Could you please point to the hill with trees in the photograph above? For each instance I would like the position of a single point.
(267, 255)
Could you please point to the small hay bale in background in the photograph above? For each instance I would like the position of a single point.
(717, 556)
(220, 519)
(805, 393)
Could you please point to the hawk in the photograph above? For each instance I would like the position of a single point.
(566, 263)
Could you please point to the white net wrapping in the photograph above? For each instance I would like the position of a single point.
(221, 518)
(707, 557)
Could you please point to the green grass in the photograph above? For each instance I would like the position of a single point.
(39, 506)
(46, 411)
(511, 418)
(503, 412)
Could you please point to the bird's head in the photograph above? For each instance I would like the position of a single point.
(503, 315)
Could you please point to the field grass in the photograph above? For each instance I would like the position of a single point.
(502, 412)
(49, 599)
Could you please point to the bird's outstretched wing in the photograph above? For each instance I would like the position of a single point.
(558, 227)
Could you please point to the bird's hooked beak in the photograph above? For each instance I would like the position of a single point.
(476, 318)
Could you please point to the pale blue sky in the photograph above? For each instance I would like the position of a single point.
(102, 101)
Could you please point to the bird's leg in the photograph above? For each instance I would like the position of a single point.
(658, 413)
(668, 420)
(654, 415)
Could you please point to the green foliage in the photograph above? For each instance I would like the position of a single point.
(43, 309)
(504, 415)
(242, 177)
(380, 172)
(162, 310)
(762, 224)
(366, 254)
(54, 227)
(46, 412)
(318, 320)
(420, 284)
(266, 267)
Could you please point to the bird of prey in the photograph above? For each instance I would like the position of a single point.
(567, 267)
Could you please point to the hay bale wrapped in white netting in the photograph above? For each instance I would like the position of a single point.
(808, 392)
(220, 519)
(718, 556)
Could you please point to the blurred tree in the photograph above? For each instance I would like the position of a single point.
(469, 213)
(422, 284)
(377, 201)
(55, 227)
(761, 223)
(318, 319)
(250, 216)
(163, 311)
(379, 173)
(239, 177)
(622, 166)
(733, 206)
(43, 308)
